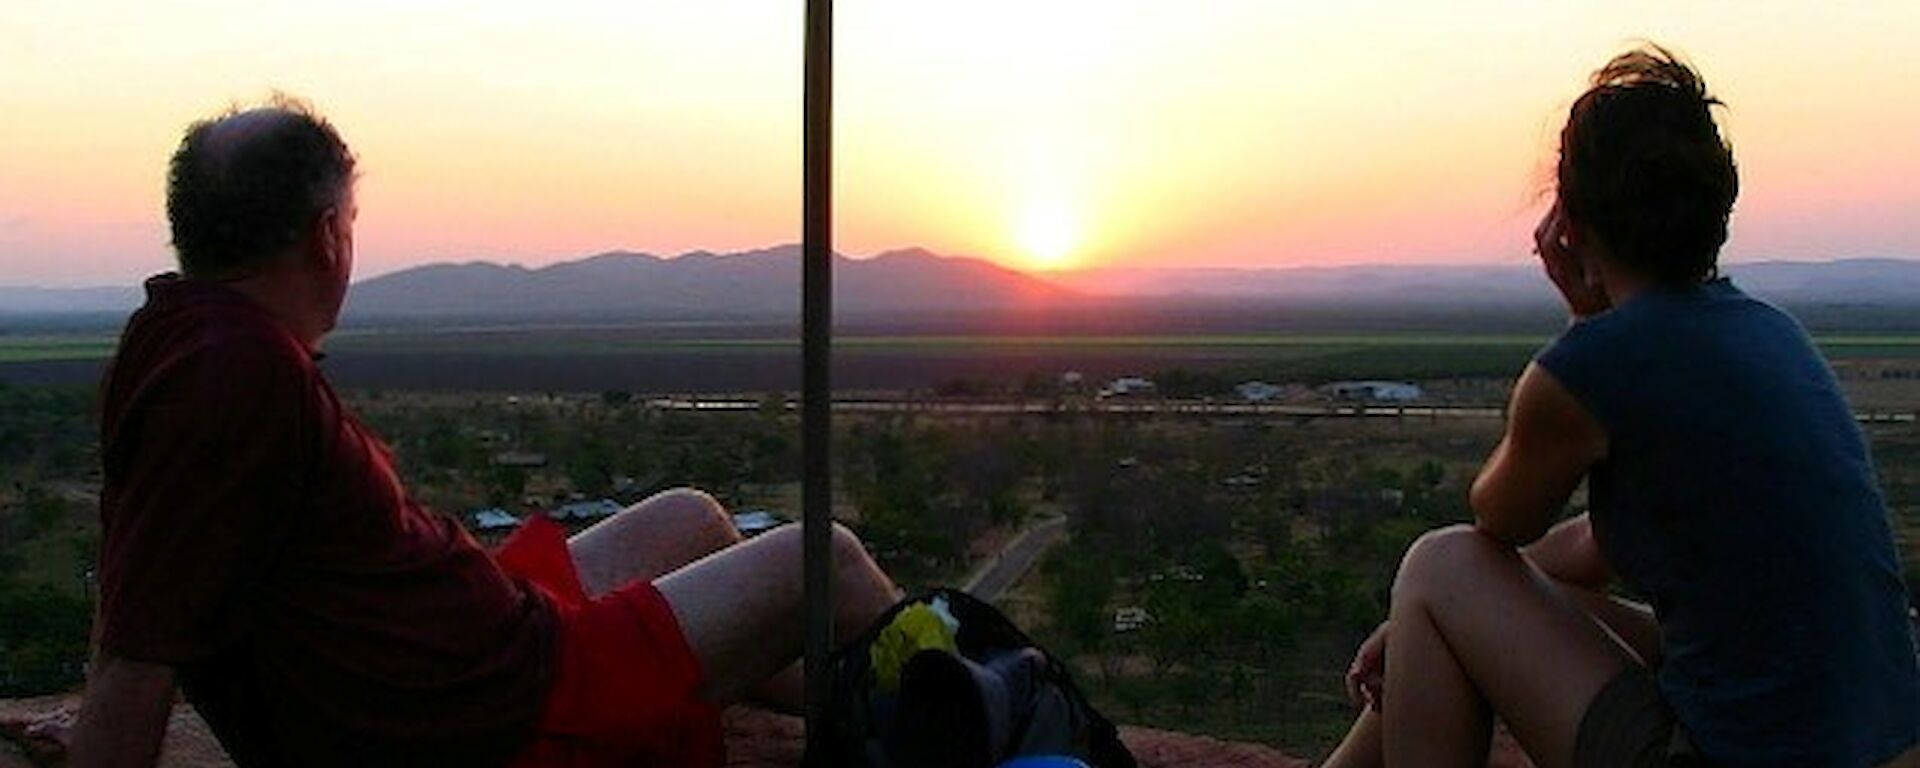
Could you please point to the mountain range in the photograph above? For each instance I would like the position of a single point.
(1866, 282)
(761, 283)
(765, 284)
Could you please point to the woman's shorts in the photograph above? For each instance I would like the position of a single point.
(1629, 725)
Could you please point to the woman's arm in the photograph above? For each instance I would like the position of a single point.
(123, 718)
(1550, 443)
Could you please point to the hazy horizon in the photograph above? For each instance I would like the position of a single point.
(1066, 274)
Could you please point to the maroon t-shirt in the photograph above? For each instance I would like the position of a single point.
(258, 540)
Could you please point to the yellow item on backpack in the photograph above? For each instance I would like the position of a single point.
(914, 629)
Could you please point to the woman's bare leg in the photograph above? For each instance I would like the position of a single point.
(1361, 747)
(1631, 625)
(1478, 631)
(742, 609)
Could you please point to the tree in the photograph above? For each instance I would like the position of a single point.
(1079, 593)
(1186, 384)
(591, 465)
(43, 642)
(1430, 475)
(506, 486)
(1265, 624)
(1223, 580)
(1039, 385)
(987, 475)
(41, 509)
(1181, 627)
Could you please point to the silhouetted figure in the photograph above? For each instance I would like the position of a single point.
(1729, 487)
(261, 554)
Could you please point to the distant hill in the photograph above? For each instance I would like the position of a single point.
(17, 300)
(914, 283)
(1852, 282)
(699, 285)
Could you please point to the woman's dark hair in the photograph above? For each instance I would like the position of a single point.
(235, 200)
(1642, 164)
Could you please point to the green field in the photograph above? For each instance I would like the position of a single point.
(559, 343)
(37, 349)
(600, 342)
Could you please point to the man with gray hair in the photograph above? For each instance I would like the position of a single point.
(261, 555)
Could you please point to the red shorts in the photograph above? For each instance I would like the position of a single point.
(625, 685)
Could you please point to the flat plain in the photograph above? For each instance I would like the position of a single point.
(645, 361)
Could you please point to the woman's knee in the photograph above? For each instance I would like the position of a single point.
(1450, 556)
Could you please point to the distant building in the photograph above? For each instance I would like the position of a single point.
(1130, 619)
(1243, 480)
(493, 519)
(1177, 572)
(754, 522)
(585, 510)
(1258, 391)
(1378, 391)
(1127, 386)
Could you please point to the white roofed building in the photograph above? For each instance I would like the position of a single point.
(585, 510)
(1379, 391)
(1126, 386)
(493, 519)
(757, 521)
(1258, 391)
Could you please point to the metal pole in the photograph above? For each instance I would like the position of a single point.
(816, 332)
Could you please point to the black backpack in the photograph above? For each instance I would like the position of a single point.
(938, 719)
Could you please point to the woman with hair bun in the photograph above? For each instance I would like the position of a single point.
(1729, 489)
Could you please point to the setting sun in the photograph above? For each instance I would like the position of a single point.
(1048, 234)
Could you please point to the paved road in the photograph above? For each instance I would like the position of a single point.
(1013, 562)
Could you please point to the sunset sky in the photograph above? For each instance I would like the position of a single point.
(1040, 134)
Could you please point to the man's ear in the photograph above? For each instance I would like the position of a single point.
(324, 246)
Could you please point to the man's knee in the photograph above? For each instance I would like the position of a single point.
(703, 514)
(849, 553)
(1445, 556)
(847, 546)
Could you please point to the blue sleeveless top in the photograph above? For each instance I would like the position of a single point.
(1738, 498)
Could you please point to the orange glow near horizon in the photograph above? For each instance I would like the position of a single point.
(1043, 134)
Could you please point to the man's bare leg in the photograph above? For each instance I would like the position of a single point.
(661, 534)
(742, 609)
(647, 540)
(1476, 630)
